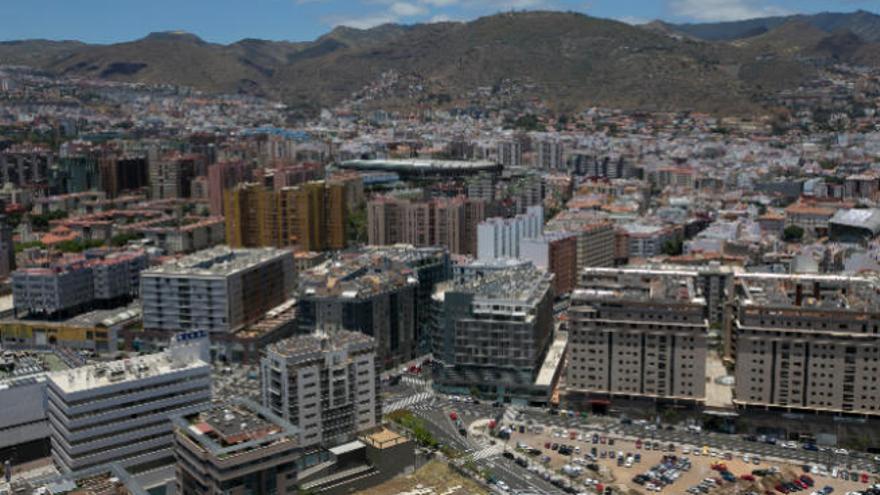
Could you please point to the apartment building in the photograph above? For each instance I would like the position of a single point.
(595, 237)
(637, 333)
(549, 154)
(120, 174)
(555, 253)
(171, 176)
(364, 292)
(509, 153)
(492, 334)
(24, 165)
(807, 343)
(120, 412)
(76, 283)
(501, 237)
(236, 448)
(646, 241)
(312, 216)
(324, 383)
(217, 290)
(446, 222)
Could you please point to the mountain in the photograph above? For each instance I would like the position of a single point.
(864, 24)
(567, 60)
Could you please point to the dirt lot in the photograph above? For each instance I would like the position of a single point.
(622, 477)
(434, 478)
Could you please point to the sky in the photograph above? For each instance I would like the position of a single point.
(226, 21)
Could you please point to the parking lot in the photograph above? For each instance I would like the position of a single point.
(651, 466)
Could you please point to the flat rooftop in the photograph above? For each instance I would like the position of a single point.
(318, 342)
(354, 275)
(99, 375)
(99, 317)
(826, 292)
(639, 284)
(401, 165)
(236, 427)
(553, 360)
(219, 261)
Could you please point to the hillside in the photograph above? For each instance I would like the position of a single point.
(568, 60)
(864, 24)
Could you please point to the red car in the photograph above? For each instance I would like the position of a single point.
(781, 489)
(747, 477)
(800, 484)
(453, 416)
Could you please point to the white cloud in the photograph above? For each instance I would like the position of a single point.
(439, 3)
(364, 22)
(723, 10)
(633, 21)
(404, 9)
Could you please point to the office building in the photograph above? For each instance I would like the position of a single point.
(324, 383)
(556, 253)
(807, 343)
(120, 411)
(364, 292)
(7, 248)
(501, 237)
(492, 336)
(216, 290)
(637, 334)
(236, 448)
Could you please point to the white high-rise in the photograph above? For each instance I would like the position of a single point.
(501, 237)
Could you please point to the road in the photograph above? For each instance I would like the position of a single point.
(435, 408)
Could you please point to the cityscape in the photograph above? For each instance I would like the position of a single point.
(451, 249)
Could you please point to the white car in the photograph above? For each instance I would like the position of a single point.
(841, 451)
(503, 486)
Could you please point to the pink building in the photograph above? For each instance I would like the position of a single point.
(222, 176)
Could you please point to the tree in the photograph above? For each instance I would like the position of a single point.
(793, 233)
(356, 227)
(672, 248)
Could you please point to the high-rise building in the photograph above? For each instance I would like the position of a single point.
(26, 166)
(216, 290)
(312, 216)
(549, 155)
(122, 173)
(595, 237)
(446, 222)
(365, 292)
(554, 252)
(120, 412)
(509, 153)
(492, 334)
(171, 175)
(7, 248)
(237, 448)
(501, 237)
(325, 383)
(637, 333)
(222, 176)
(807, 343)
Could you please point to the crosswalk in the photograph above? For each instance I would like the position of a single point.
(488, 452)
(415, 382)
(407, 402)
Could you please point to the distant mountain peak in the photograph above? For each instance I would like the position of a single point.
(175, 36)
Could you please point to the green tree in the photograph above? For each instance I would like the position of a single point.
(672, 248)
(356, 227)
(793, 233)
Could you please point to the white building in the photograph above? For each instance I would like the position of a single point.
(510, 153)
(501, 237)
(325, 384)
(549, 155)
(217, 290)
(120, 411)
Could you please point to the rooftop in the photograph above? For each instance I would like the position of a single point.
(220, 261)
(419, 165)
(237, 427)
(826, 292)
(354, 275)
(320, 342)
(639, 284)
(99, 375)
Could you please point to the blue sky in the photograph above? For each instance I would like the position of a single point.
(224, 21)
